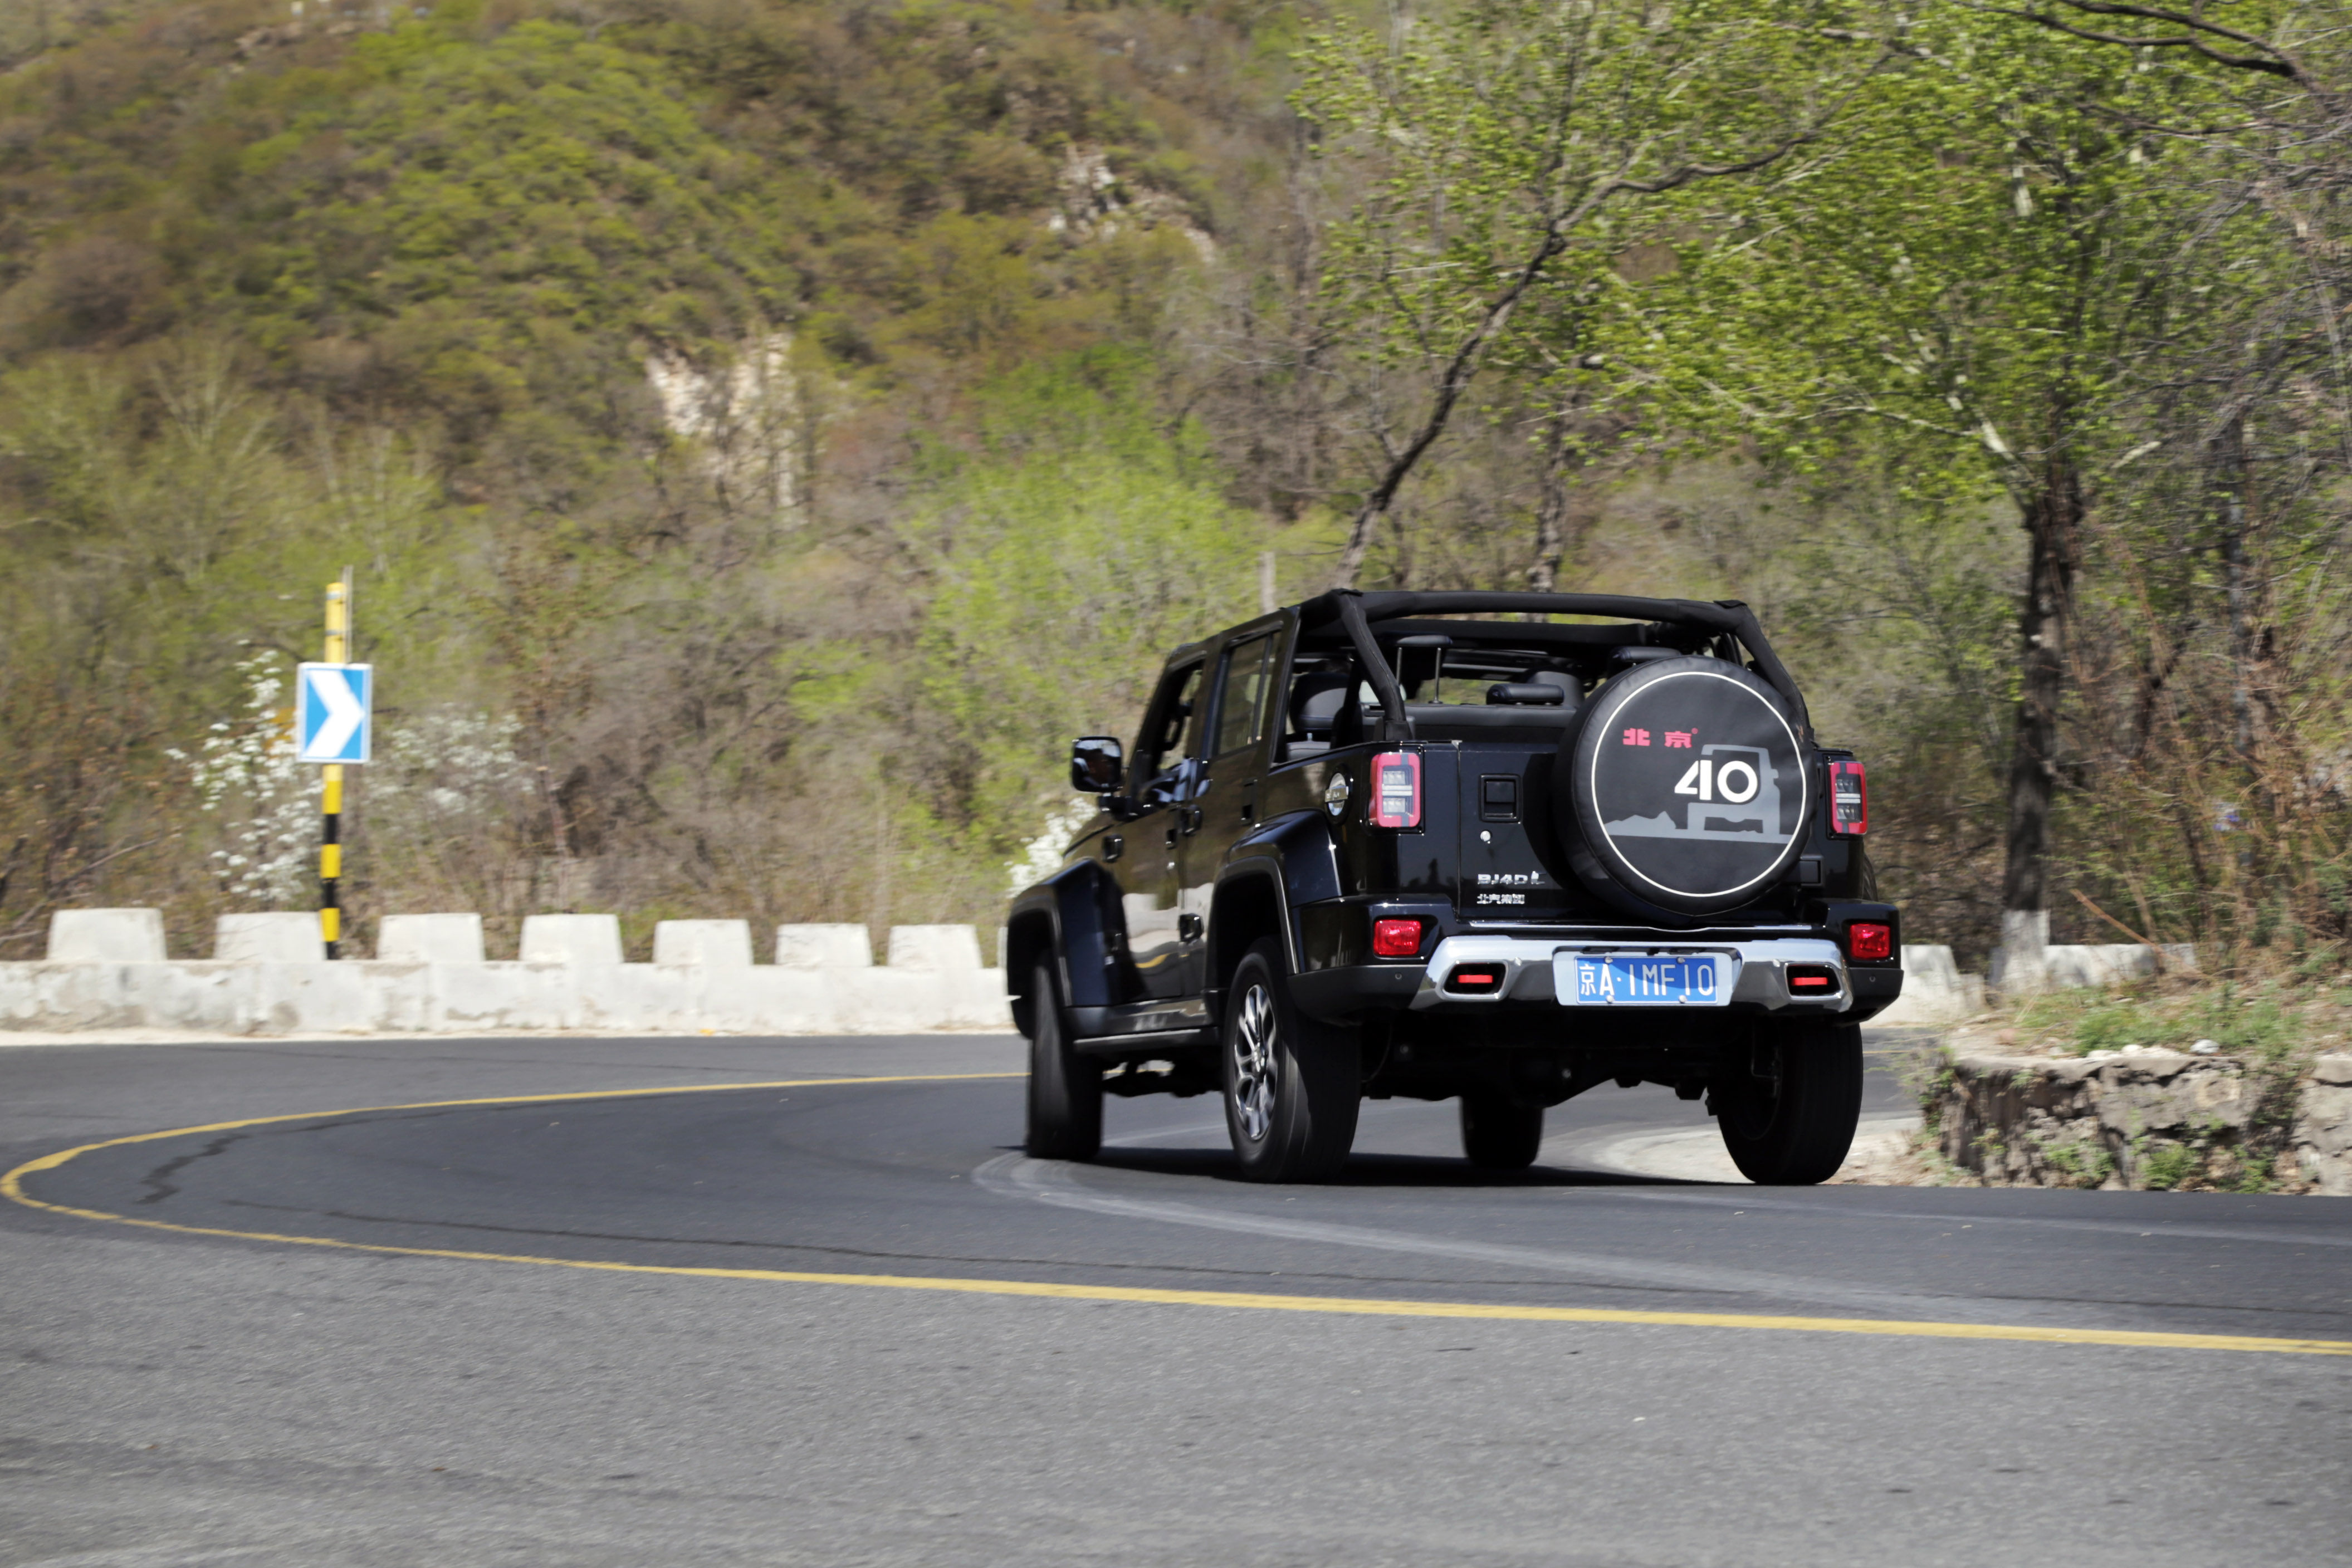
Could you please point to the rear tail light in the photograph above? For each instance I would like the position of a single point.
(1868, 940)
(1813, 980)
(1849, 801)
(1477, 978)
(1396, 938)
(1396, 789)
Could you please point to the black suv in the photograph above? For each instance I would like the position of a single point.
(1438, 845)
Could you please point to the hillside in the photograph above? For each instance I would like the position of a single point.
(655, 363)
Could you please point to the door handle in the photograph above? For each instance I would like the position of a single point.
(1172, 833)
(1114, 847)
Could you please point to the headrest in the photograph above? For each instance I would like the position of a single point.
(1315, 700)
(1525, 694)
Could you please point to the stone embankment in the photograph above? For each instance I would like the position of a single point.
(2144, 1118)
(107, 970)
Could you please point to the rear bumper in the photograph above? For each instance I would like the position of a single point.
(1760, 984)
(1760, 979)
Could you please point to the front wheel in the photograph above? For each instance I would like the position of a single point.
(1065, 1093)
(1788, 1105)
(1291, 1086)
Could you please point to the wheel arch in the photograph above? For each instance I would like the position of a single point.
(1061, 921)
(1248, 905)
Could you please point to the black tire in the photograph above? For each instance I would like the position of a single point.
(1291, 1086)
(1793, 1126)
(1499, 1133)
(1065, 1093)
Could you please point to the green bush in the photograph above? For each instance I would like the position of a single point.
(2167, 1165)
(2110, 1026)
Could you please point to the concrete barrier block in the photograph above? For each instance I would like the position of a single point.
(887, 1001)
(278, 938)
(823, 947)
(1934, 989)
(572, 939)
(934, 948)
(708, 944)
(68, 995)
(308, 999)
(764, 1000)
(2097, 964)
(504, 996)
(430, 939)
(106, 937)
(397, 995)
(627, 998)
(977, 999)
(912, 1001)
(201, 994)
(216, 997)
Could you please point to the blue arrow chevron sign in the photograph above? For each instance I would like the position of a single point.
(333, 712)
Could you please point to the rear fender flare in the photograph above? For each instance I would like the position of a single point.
(1292, 860)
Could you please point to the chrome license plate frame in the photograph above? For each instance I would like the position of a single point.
(1643, 978)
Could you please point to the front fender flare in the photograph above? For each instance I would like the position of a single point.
(1074, 920)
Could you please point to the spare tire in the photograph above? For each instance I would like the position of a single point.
(1683, 790)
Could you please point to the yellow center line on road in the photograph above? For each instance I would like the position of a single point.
(11, 1186)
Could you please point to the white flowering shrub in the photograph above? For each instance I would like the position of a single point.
(1044, 856)
(246, 771)
(438, 772)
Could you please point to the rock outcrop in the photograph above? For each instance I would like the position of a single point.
(2144, 1119)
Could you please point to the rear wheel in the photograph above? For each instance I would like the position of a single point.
(1499, 1133)
(1065, 1092)
(1291, 1086)
(1788, 1107)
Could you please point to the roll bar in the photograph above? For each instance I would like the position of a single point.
(1356, 612)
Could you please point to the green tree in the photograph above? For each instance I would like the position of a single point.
(1071, 552)
(1515, 150)
(1976, 279)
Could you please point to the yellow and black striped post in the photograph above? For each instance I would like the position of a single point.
(330, 848)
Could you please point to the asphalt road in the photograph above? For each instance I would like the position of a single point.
(174, 1397)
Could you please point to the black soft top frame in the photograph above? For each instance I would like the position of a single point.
(1355, 613)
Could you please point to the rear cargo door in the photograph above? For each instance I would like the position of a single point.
(1511, 863)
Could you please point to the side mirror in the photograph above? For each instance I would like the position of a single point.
(1098, 764)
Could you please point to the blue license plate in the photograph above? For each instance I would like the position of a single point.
(1642, 979)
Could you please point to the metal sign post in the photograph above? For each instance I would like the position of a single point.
(334, 709)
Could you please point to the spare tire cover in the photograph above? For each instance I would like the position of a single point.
(1686, 787)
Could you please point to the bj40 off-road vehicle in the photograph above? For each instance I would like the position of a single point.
(1397, 845)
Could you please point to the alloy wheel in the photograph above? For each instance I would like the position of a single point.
(1253, 1078)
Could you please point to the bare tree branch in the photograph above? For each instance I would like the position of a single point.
(2269, 58)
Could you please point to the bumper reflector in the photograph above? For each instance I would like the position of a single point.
(1396, 938)
(1479, 978)
(1813, 980)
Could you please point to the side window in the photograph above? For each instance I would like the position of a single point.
(1161, 747)
(1241, 700)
